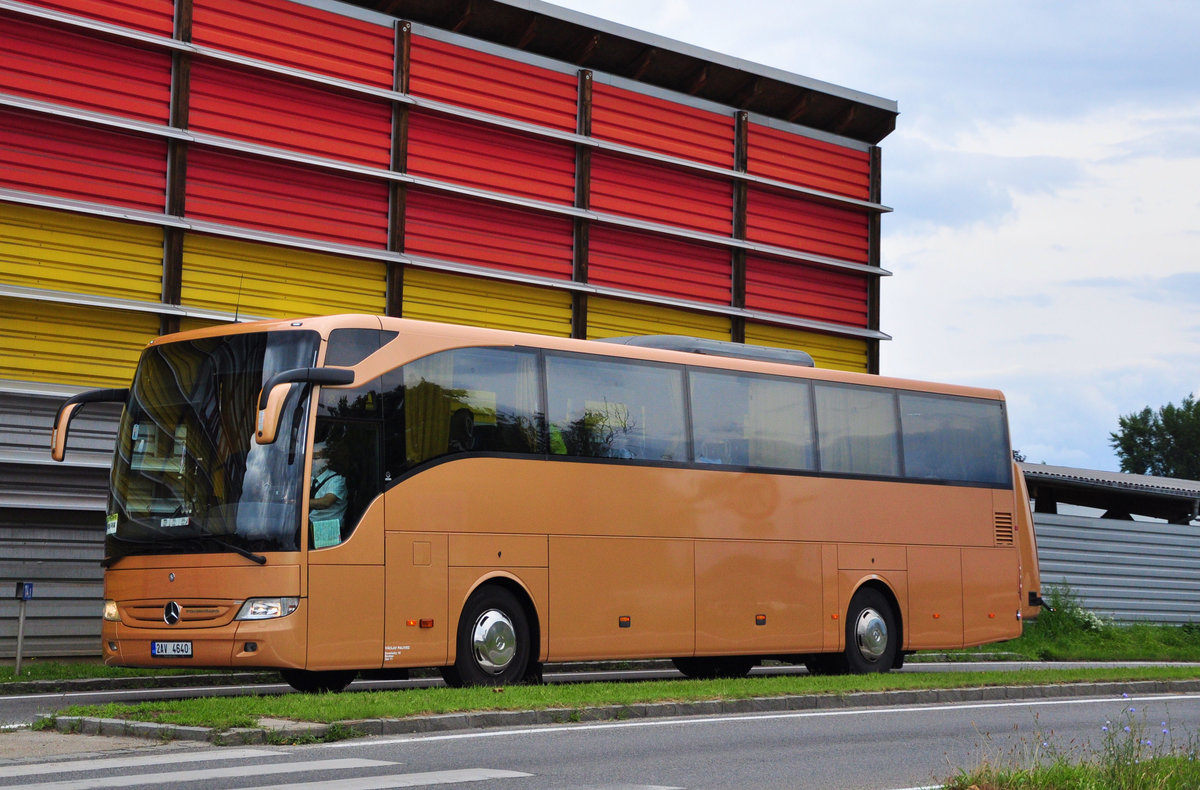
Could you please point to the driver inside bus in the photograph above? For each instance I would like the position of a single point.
(327, 499)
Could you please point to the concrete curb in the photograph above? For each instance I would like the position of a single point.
(139, 682)
(282, 731)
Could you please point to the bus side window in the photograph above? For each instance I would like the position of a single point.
(461, 401)
(858, 429)
(350, 427)
(603, 408)
(743, 419)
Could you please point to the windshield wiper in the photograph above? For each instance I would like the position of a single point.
(258, 558)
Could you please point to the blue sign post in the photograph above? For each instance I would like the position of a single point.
(24, 594)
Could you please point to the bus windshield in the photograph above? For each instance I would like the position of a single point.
(187, 476)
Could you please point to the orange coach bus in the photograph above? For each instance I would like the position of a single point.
(355, 494)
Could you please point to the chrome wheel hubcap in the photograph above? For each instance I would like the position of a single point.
(871, 634)
(494, 641)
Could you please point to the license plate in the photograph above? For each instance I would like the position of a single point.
(171, 649)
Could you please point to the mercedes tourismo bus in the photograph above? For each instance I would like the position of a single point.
(356, 494)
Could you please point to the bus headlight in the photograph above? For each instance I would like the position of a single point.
(110, 612)
(267, 608)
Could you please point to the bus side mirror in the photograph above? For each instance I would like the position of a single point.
(71, 407)
(274, 393)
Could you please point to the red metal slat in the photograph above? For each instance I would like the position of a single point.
(792, 158)
(790, 288)
(659, 193)
(66, 67)
(467, 153)
(658, 265)
(284, 198)
(663, 126)
(297, 35)
(261, 108)
(483, 234)
(481, 81)
(152, 16)
(797, 224)
(52, 157)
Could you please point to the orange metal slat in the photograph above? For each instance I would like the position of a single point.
(663, 126)
(494, 159)
(792, 158)
(274, 196)
(481, 81)
(297, 35)
(660, 193)
(790, 288)
(262, 108)
(659, 265)
(152, 16)
(803, 225)
(482, 234)
(39, 154)
(67, 67)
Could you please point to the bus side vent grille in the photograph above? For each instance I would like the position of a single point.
(1004, 529)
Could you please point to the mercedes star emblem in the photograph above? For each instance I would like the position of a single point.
(171, 613)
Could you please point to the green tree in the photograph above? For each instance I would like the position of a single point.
(1165, 443)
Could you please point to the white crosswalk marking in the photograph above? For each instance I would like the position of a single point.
(404, 780)
(117, 763)
(174, 777)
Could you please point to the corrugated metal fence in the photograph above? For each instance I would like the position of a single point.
(52, 525)
(1124, 570)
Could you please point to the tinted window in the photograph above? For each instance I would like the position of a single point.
(347, 469)
(615, 409)
(949, 438)
(858, 431)
(466, 400)
(752, 420)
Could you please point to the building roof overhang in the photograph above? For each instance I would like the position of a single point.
(593, 43)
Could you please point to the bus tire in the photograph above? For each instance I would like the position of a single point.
(494, 644)
(309, 682)
(872, 639)
(715, 667)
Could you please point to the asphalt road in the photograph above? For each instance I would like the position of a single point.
(886, 748)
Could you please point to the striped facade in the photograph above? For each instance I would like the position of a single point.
(173, 164)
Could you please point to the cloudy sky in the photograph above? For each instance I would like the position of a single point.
(1045, 181)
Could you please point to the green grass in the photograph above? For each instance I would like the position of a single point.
(37, 669)
(1071, 633)
(1132, 755)
(245, 711)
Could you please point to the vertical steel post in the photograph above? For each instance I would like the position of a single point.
(20, 636)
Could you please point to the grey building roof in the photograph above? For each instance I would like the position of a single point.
(593, 43)
(1176, 500)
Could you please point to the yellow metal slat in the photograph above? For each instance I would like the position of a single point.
(263, 280)
(614, 318)
(58, 251)
(68, 344)
(454, 299)
(828, 351)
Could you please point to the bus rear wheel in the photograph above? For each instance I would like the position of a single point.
(715, 667)
(309, 682)
(872, 639)
(494, 644)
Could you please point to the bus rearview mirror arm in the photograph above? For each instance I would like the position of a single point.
(70, 407)
(274, 392)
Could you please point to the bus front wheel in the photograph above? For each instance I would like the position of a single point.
(872, 638)
(309, 682)
(494, 644)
